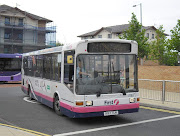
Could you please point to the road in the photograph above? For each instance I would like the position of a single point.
(15, 111)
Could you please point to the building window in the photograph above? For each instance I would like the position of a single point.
(147, 35)
(20, 36)
(152, 36)
(8, 49)
(99, 36)
(110, 36)
(7, 20)
(20, 22)
(17, 49)
(7, 34)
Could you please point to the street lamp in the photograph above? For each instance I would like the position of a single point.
(140, 10)
(141, 21)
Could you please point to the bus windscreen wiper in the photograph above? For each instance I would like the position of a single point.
(123, 91)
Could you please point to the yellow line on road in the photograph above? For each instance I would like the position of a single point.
(161, 110)
(25, 130)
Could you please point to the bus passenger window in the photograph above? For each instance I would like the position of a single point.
(47, 66)
(56, 67)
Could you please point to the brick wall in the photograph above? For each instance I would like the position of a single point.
(159, 72)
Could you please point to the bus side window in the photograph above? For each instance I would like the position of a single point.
(30, 66)
(69, 68)
(25, 65)
(39, 66)
(56, 67)
(47, 66)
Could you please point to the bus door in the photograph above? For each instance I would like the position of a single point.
(69, 69)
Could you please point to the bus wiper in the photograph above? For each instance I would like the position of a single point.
(98, 94)
(123, 91)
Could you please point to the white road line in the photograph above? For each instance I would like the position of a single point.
(31, 101)
(116, 126)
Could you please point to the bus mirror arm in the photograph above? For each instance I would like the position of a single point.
(123, 91)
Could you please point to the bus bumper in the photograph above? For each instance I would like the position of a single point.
(84, 112)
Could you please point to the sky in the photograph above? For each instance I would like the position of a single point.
(76, 17)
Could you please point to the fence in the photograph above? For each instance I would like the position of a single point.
(160, 90)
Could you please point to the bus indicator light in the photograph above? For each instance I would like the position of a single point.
(79, 103)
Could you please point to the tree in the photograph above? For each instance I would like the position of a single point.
(136, 33)
(164, 50)
(170, 58)
(173, 46)
(158, 48)
(175, 38)
(59, 44)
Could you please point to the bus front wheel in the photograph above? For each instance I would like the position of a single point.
(57, 106)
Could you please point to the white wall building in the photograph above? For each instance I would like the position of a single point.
(113, 32)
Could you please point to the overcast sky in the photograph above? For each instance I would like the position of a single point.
(76, 17)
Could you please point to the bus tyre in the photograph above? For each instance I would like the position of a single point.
(57, 106)
(30, 94)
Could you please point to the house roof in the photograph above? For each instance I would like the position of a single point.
(4, 8)
(114, 29)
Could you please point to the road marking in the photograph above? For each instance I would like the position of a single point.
(161, 110)
(31, 101)
(116, 126)
(25, 130)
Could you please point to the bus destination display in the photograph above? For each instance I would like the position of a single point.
(109, 47)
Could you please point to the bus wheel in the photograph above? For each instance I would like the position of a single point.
(30, 94)
(57, 106)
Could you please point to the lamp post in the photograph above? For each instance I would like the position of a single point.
(141, 22)
(140, 10)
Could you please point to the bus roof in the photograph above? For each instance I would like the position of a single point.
(10, 56)
(74, 45)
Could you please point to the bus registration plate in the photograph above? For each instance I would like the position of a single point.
(108, 113)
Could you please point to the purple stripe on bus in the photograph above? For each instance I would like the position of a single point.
(10, 56)
(16, 77)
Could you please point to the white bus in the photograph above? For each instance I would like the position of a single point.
(96, 77)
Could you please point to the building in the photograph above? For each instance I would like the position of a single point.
(22, 32)
(114, 31)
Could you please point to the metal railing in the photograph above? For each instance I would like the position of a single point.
(48, 28)
(160, 90)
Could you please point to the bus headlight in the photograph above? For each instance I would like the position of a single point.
(89, 103)
(131, 100)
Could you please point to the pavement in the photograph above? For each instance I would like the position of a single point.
(6, 130)
(10, 130)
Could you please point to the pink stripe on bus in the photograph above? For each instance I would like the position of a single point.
(44, 96)
(100, 108)
(41, 95)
